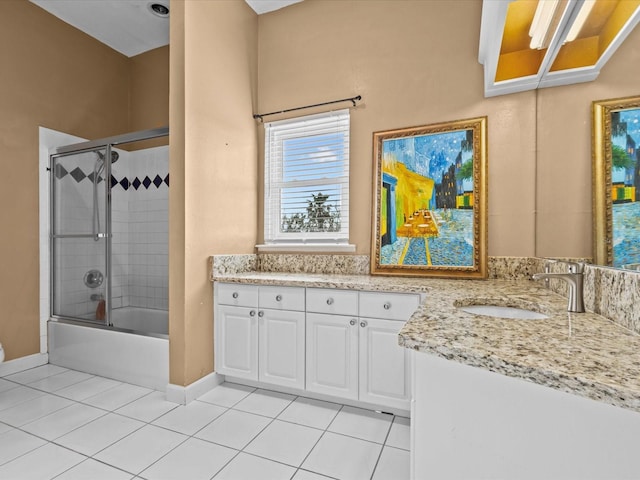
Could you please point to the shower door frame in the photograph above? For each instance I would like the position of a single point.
(82, 147)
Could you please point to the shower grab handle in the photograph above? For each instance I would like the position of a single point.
(82, 235)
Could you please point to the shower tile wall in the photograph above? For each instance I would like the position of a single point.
(140, 195)
(149, 229)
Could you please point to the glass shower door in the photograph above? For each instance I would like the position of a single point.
(81, 235)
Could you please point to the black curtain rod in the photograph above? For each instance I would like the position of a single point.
(352, 100)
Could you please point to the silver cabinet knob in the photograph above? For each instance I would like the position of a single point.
(261, 313)
(329, 301)
(352, 322)
(363, 324)
(278, 298)
(387, 305)
(234, 294)
(252, 313)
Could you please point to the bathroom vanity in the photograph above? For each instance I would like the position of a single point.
(331, 343)
(490, 397)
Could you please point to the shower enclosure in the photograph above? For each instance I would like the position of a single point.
(109, 233)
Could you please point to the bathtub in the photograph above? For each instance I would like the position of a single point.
(135, 350)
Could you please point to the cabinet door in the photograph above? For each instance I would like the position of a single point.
(332, 355)
(383, 364)
(236, 333)
(281, 347)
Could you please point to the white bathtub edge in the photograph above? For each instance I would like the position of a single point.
(185, 395)
(23, 363)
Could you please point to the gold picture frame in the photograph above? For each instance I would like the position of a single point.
(430, 200)
(616, 182)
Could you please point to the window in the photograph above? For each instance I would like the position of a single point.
(307, 180)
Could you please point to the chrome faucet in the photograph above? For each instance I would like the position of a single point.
(574, 278)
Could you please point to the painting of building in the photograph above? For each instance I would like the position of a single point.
(426, 200)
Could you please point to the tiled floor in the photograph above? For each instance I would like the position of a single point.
(68, 425)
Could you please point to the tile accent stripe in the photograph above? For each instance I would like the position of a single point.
(78, 175)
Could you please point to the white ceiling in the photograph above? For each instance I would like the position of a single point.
(128, 26)
(265, 6)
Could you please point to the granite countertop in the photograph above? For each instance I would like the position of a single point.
(580, 353)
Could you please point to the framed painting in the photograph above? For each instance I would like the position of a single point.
(616, 182)
(430, 200)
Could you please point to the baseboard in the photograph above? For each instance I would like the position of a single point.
(185, 395)
(319, 396)
(23, 363)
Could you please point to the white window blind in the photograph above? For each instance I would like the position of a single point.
(307, 179)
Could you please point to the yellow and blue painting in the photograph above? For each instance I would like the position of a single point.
(427, 200)
(625, 187)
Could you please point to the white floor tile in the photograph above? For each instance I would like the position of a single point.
(99, 434)
(87, 388)
(234, 429)
(63, 421)
(17, 395)
(148, 408)
(399, 435)
(248, 467)
(343, 457)
(305, 475)
(227, 394)
(194, 460)
(229, 418)
(310, 412)
(284, 442)
(140, 449)
(265, 402)
(117, 396)
(188, 419)
(34, 374)
(92, 470)
(393, 465)
(6, 385)
(42, 463)
(360, 423)
(60, 380)
(5, 428)
(14, 443)
(33, 409)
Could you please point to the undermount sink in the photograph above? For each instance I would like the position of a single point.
(503, 312)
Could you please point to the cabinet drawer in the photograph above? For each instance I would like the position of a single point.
(281, 298)
(332, 301)
(391, 306)
(237, 294)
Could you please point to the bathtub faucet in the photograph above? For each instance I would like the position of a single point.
(575, 280)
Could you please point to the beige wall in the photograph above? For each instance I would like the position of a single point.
(55, 76)
(149, 90)
(564, 223)
(213, 203)
(414, 63)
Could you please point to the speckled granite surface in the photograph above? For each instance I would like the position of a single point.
(579, 353)
(614, 294)
(222, 264)
(338, 264)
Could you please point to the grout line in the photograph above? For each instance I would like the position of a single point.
(190, 436)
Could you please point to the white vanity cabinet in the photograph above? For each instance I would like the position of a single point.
(384, 366)
(281, 328)
(352, 345)
(260, 333)
(325, 341)
(236, 339)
